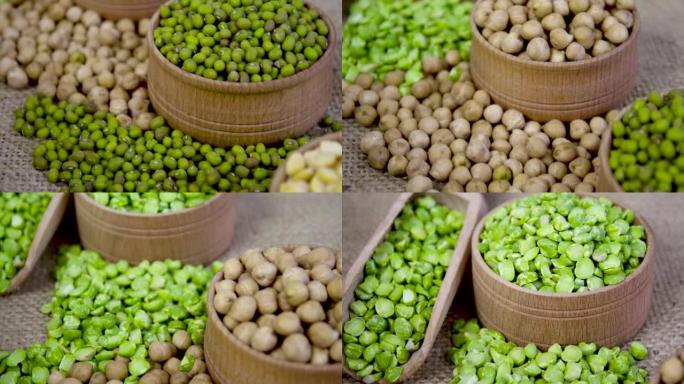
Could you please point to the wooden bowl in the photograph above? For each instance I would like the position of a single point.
(49, 223)
(119, 9)
(195, 235)
(608, 316)
(230, 361)
(606, 179)
(279, 176)
(473, 206)
(655, 376)
(543, 91)
(225, 113)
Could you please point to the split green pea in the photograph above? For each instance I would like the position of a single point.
(647, 151)
(393, 303)
(482, 355)
(241, 40)
(20, 215)
(151, 202)
(90, 151)
(562, 242)
(99, 307)
(381, 36)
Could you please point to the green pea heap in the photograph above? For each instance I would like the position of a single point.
(381, 36)
(393, 303)
(648, 145)
(20, 214)
(151, 202)
(561, 242)
(90, 151)
(241, 40)
(101, 309)
(483, 355)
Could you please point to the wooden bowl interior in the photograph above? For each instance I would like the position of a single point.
(118, 9)
(279, 176)
(49, 223)
(247, 354)
(472, 205)
(534, 300)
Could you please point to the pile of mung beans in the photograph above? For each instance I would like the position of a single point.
(393, 303)
(285, 302)
(561, 242)
(241, 41)
(555, 30)
(20, 215)
(484, 355)
(381, 36)
(91, 151)
(447, 133)
(116, 319)
(647, 153)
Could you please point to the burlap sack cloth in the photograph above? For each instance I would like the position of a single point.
(663, 333)
(661, 66)
(260, 221)
(16, 171)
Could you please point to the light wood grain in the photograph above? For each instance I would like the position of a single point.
(655, 375)
(230, 361)
(195, 235)
(608, 316)
(473, 206)
(279, 176)
(224, 113)
(566, 91)
(49, 223)
(119, 9)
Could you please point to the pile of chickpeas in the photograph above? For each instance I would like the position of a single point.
(447, 132)
(73, 55)
(286, 303)
(555, 30)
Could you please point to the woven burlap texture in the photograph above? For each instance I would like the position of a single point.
(661, 66)
(663, 333)
(260, 221)
(16, 171)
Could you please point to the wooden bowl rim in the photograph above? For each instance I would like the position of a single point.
(227, 86)
(90, 201)
(279, 175)
(648, 257)
(245, 350)
(550, 66)
(655, 378)
(34, 254)
(606, 146)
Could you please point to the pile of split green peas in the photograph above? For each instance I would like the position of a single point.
(562, 242)
(393, 303)
(484, 355)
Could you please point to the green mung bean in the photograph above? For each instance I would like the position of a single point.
(151, 202)
(647, 153)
